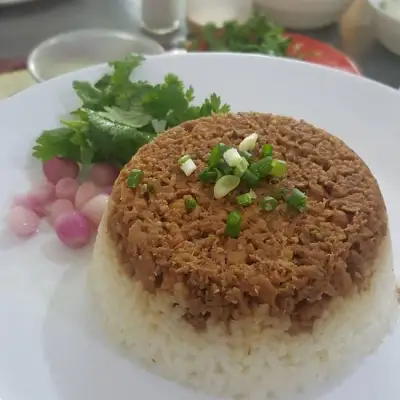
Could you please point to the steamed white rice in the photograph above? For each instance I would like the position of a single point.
(259, 360)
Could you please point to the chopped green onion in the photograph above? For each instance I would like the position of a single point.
(251, 179)
(224, 168)
(207, 176)
(241, 167)
(224, 147)
(218, 151)
(244, 200)
(232, 157)
(262, 167)
(297, 199)
(233, 222)
(225, 185)
(188, 167)
(278, 168)
(215, 155)
(183, 159)
(190, 203)
(246, 155)
(248, 143)
(268, 203)
(134, 178)
(266, 150)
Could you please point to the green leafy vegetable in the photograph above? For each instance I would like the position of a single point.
(297, 199)
(233, 224)
(118, 116)
(257, 35)
(134, 178)
(268, 203)
(91, 97)
(190, 203)
(135, 118)
(56, 142)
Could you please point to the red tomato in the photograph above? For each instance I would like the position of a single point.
(320, 53)
(310, 50)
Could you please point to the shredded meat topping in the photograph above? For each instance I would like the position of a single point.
(296, 263)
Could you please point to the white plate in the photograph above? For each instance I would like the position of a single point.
(50, 349)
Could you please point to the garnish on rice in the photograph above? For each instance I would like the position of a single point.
(118, 116)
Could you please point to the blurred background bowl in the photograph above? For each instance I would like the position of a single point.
(304, 14)
(74, 50)
(387, 27)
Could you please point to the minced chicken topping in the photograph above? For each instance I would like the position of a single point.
(294, 262)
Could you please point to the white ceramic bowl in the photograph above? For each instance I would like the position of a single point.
(304, 14)
(387, 27)
(81, 48)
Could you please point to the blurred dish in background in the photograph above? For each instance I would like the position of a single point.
(304, 14)
(12, 2)
(386, 17)
(258, 35)
(201, 12)
(161, 17)
(74, 50)
(391, 7)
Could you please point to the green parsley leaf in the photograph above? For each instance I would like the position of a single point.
(90, 96)
(123, 68)
(56, 143)
(118, 116)
(257, 35)
(135, 117)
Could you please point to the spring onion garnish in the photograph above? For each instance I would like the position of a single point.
(266, 150)
(188, 167)
(246, 155)
(241, 167)
(251, 179)
(183, 159)
(278, 168)
(268, 203)
(224, 168)
(297, 199)
(245, 199)
(248, 143)
(252, 193)
(232, 157)
(233, 222)
(225, 185)
(190, 203)
(262, 167)
(209, 176)
(134, 178)
(215, 155)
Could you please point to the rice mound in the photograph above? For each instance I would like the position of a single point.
(259, 360)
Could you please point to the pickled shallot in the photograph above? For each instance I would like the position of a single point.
(58, 168)
(22, 221)
(30, 202)
(73, 229)
(71, 208)
(66, 188)
(103, 174)
(58, 207)
(43, 193)
(94, 208)
(85, 192)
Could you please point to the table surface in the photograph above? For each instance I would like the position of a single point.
(24, 26)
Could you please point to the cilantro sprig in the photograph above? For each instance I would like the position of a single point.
(257, 35)
(118, 116)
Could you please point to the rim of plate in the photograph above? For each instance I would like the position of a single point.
(301, 64)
